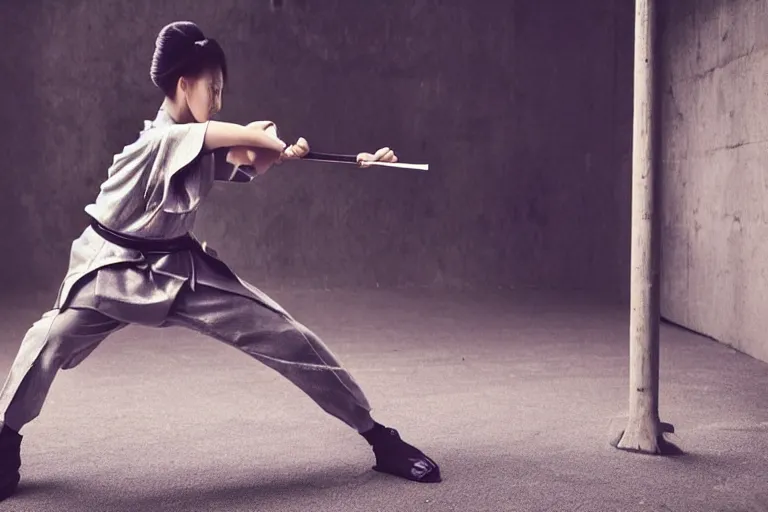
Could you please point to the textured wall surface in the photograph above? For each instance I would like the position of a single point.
(715, 156)
(522, 109)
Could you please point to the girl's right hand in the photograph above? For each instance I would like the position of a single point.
(295, 151)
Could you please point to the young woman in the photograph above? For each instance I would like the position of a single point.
(138, 262)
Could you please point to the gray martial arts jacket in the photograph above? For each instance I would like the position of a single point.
(153, 190)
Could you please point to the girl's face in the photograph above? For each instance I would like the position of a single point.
(203, 94)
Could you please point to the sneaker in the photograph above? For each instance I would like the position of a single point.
(10, 462)
(396, 457)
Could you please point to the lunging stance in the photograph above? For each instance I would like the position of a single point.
(138, 262)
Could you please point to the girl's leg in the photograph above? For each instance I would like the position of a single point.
(279, 342)
(298, 354)
(59, 340)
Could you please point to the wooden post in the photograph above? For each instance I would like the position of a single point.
(644, 431)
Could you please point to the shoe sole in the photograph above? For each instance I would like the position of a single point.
(433, 477)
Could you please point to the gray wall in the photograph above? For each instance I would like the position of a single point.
(715, 158)
(521, 108)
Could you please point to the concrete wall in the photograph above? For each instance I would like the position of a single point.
(715, 158)
(522, 109)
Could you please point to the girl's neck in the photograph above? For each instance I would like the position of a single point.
(179, 113)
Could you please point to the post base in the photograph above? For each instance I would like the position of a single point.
(637, 439)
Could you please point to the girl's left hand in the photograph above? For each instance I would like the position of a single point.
(382, 155)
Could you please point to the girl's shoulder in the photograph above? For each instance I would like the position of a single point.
(151, 137)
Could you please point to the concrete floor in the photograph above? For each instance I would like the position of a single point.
(515, 396)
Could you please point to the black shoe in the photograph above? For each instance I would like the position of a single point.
(10, 462)
(396, 457)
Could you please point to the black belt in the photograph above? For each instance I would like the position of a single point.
(169, 245)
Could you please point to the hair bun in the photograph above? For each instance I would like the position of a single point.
(181, 47)
(174, 44)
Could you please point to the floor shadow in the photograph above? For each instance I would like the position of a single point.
(262, 491)
(39, 488)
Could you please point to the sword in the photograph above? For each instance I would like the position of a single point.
(352, 159)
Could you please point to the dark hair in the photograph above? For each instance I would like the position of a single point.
(181, 49)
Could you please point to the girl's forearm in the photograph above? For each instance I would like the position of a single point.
(228, 135)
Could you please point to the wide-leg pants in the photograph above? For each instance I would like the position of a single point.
(62, 339)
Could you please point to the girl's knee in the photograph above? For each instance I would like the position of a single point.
(64, 338)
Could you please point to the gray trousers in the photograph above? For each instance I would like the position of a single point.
(62, 339)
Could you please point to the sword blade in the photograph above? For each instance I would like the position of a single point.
(352, 159)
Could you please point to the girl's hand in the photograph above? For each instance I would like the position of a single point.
(295, 151)
(382, 155)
